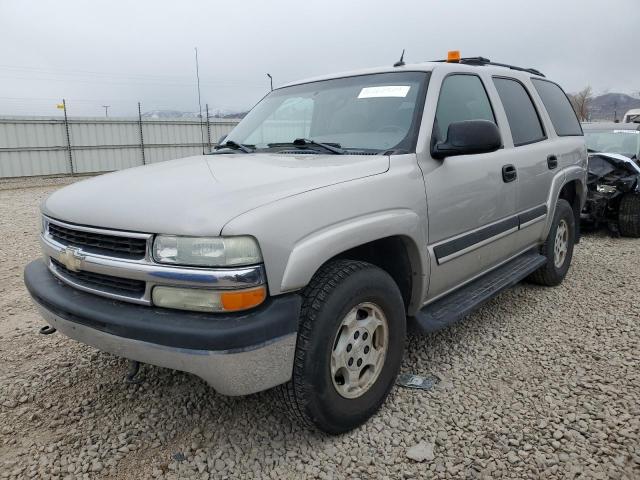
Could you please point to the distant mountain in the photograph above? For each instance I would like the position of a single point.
(162, 114)
(612, 106)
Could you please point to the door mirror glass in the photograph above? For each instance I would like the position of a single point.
(468, 137)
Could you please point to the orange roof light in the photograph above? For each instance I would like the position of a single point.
(453, 56)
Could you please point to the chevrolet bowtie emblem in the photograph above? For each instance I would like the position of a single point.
(71, 258)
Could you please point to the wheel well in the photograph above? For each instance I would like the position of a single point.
(392, 255)
(570, 194)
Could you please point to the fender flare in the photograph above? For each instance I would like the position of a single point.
(315, 249)
(570, 174)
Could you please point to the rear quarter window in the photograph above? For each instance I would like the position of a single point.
(564, 120)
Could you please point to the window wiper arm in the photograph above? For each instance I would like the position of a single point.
(591, 150)
(332, 148)
(234, 146)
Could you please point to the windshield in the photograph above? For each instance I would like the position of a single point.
(624, 142)
(370, 113)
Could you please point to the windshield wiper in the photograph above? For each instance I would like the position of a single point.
(591, 150)
(335, 147)
(234, 146)
(301, 142)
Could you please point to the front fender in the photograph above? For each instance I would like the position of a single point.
(298, 234)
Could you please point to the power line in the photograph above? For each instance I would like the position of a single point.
(132, 83)
(143, 79)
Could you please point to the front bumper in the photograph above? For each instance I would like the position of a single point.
(237, 354)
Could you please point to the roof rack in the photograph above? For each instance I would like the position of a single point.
(481, 61)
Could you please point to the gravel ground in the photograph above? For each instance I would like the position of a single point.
(540, 383)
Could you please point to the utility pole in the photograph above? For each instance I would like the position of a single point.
(199, 100)
(208, 129)
(66, 127)
(144, 160)
(270, 80)
(106, 110)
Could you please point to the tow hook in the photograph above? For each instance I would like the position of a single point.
(47, 330)
(134, 368)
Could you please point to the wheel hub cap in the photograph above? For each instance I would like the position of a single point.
(561, 244)
(359, 350)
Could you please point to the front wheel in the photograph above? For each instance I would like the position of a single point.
(558, 247)
(349, 348)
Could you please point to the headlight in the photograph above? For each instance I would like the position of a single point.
(206, 251)
(203, 300)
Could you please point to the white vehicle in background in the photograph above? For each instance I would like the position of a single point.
(632, 116)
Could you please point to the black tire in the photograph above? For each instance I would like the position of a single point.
(549, 274)
(629, 215)
(338, 287)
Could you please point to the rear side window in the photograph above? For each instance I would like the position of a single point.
(522, 115)
(557, 104)
(462, 97)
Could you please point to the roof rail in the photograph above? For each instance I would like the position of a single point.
(481, 61)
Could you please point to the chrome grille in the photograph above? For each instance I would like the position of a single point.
(99, 281)
(100, 243)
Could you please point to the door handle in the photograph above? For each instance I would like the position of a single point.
(552, 162)
(509, 173)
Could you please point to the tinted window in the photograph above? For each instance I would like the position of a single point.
(557, 104)
(462, 97)
(523, 118)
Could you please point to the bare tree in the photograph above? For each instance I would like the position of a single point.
(581, 102)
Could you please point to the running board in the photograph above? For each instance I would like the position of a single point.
(454, 306)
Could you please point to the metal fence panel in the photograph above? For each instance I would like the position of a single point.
(33, 162)
(38, 145)
(87, 160)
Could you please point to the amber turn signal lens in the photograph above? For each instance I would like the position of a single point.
(243, 299)
(453, 56)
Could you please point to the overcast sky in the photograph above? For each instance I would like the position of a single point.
(117, 53)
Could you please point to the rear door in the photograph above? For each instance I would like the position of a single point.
(470, 205)
(531, 154)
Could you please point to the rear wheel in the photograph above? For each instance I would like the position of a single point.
(558, 247)
(350, 344)
(629, 215)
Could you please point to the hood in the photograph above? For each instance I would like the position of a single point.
(631, 165)
(199, 195)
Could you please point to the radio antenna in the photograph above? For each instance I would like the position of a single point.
(400, 62)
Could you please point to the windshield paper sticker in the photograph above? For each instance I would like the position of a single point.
(633, 132)
(385, 91)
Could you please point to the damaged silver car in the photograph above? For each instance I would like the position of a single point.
(613, 197)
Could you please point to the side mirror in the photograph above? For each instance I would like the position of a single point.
(468, 137)
(221, 139)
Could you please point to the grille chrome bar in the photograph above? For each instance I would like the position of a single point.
(124, 286)
(91, 289)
